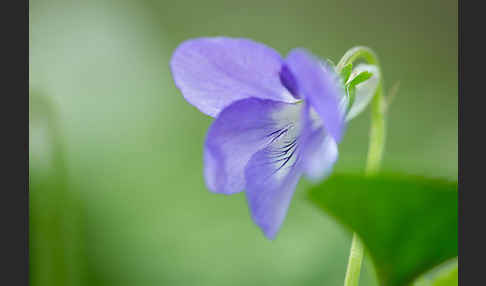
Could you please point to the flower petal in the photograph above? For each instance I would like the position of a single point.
(214, 72)
(320, 86)
(273, 173)
(320, 152)
(242, 129)
(364, 91)
(270, 183)
(324, 154)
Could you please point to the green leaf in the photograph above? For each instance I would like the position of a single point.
(408, 224)
(346, 72)
(359, 78)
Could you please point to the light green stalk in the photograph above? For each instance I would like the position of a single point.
(375, 149)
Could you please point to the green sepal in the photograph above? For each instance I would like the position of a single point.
(346, 72)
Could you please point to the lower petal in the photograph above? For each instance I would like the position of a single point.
(273, 173)
(271, 178)
(242, 129)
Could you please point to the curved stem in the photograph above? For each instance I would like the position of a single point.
(356, 53)
(375, 150)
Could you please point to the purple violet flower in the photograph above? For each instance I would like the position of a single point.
(276, 119)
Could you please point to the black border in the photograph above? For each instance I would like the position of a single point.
(14, 118)
(471, 121)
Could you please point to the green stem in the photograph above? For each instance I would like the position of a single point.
(375, 150)
(354, 262)
(376, 143)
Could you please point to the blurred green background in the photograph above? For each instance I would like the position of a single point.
(117, 195)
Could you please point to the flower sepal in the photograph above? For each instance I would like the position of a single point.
(360, 84)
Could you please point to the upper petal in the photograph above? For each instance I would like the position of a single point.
(214, 72)
(241, 129)
(319, 85)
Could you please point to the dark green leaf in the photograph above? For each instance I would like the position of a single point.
(408, 224)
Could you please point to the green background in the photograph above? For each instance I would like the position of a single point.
(117, 195)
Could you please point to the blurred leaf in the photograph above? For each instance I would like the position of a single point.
(52, 251)
(408, 224)
(441, 275)
(447, 278)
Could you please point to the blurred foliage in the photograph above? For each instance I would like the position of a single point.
(450, 278)
(127, 204)
(445, 274)
(408, 224)
(54, 253)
